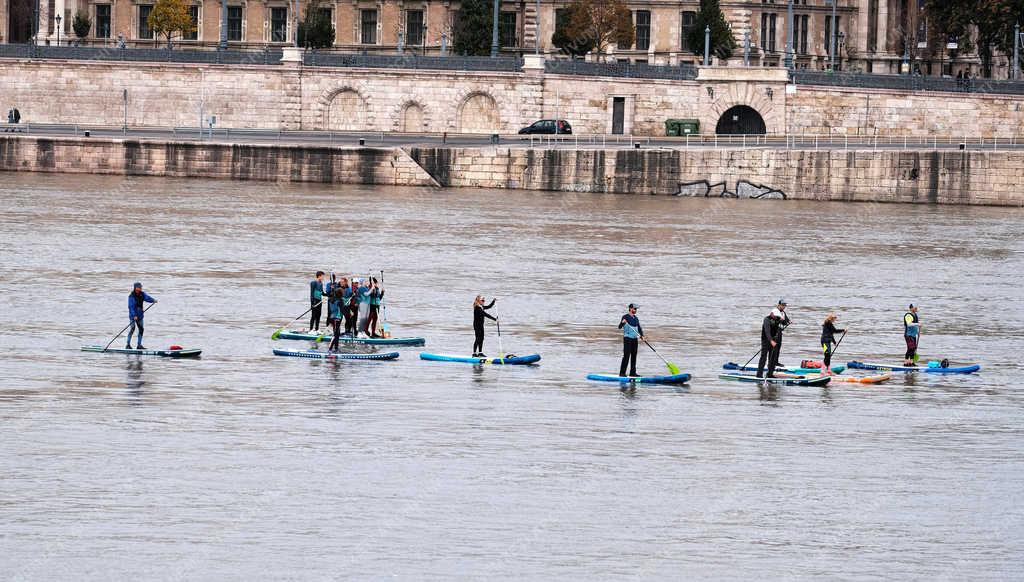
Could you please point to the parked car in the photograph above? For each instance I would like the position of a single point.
(549, 126)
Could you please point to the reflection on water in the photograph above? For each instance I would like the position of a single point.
(242, 465)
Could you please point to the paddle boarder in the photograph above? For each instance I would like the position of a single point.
(911, 334)
(771, 339)
(335, 307)
(632, 332)
(316, 299)
(136, 313)
(479, 313)
(828, 339)
(376, 296)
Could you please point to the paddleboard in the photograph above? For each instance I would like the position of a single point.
(180, 353)
(513, 360)
(964, 369)
(370, 341)
(838, 369)
(788, 381)
(673, 379)
(318, 355)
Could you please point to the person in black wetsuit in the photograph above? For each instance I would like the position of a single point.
(771, 339)
(828, 339)
(479, 313)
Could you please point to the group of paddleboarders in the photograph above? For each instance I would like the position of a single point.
(356, 302)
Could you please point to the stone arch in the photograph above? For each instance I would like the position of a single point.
(344, 109)
(478, 113)
(740, 119)
(767, 99)
(412, 118)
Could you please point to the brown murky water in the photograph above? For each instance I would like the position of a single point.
(243, 465)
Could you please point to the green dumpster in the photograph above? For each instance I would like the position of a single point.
(688, 126)
(672, 127)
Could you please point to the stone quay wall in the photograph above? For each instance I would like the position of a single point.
(340, 165)
(943, 177)
(289, 96)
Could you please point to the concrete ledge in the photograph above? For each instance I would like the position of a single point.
(750, 74)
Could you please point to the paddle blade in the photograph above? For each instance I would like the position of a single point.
(277, 334)
(673, 369)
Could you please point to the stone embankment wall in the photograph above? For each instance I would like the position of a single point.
(945, 177)
(291, 97)
(342, 165)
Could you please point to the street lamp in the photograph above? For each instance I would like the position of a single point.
(57, 19)
(494, 30)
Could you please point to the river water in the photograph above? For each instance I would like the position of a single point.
(242, 465)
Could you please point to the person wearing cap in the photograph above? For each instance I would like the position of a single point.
(136, 312)
(632, 332)
(911, 333)
(479, 313)
(771, 339)
(828, 339)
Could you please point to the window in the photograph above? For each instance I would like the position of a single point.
(193, 13)
(368, 26)
(803, 22)
(872, 25)
(828, 32)
(235, 23)
(643, 30)
(278, 24)
(144, 30)
(414, 27)
(103, 21)
(687, 21)
(768, 22)
(507, 31)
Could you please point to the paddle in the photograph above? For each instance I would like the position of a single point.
(757, 353)
(501, 350)
(672, 368)
(917, 349)
(384, 327)
(277, 333)
(144, 309)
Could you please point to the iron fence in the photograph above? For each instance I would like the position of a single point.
(412, 61)
(629, 70)
(162, 55)
(908, 82)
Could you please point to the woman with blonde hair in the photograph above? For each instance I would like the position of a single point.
(828, 340)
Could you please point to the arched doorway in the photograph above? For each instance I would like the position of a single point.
(19, 20)
(479, 114)
(740, 120)
(345, 112)
(412, 118)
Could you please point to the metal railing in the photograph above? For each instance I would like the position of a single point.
(161, 55)
(629, 70)
(412, 61)
(907, 82)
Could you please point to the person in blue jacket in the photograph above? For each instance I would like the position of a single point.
(631, 334)
(136, 312)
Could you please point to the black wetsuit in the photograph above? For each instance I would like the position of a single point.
(479, 313)
(630, 344)
(769, 328)
(828, 337)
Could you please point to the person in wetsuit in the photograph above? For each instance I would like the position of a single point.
(316, 299)
(632, 333)
(828, 340)
(335, 306)
(771, 339)
(136, 313)
(911, 335)
(479, 313)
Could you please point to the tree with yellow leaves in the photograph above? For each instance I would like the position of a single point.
(170, 17)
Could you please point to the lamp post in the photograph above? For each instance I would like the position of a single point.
(57, 19)
(840, 46)
(832, 42)
(746, 48)
(905, 66)
(707, 45)
(223, 45)
(494, 30)
(787, 59)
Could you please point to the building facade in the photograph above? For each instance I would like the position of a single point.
(879, 36)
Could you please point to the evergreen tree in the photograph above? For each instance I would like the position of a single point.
(722, 41)
(473, 27)
(82, 24)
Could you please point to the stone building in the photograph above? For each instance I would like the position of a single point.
(872, 35)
